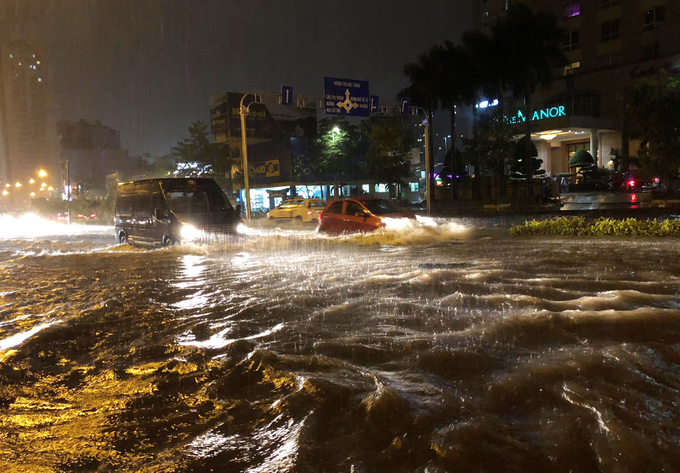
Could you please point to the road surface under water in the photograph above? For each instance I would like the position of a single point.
(430, 349)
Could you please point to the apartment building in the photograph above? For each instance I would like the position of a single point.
(610, 45)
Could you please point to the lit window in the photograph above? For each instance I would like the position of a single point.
(609, 30)
(571, 9)
(570, 68)
(654, 17)
(571, 41)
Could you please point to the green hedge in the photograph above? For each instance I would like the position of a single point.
(577, 226)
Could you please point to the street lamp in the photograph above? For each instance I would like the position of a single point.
(42, 173)
(243, 111)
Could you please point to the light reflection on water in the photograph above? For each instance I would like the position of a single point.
(447, 348)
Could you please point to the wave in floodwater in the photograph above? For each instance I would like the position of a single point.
(418, 349)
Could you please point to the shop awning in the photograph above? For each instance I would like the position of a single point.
(581, 159)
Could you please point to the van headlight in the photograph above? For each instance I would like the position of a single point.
(189, 232)
(241, 229)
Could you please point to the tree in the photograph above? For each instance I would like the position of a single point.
(156, 167)
(331, 151)
(491, 146)
(653, 116)
(389, 152)
(198, 156)
(530, 45)
(426, 89)
(518, 168)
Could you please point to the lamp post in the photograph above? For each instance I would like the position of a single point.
(244, 152)
(243, 111)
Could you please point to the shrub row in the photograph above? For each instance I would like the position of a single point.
(577, 226)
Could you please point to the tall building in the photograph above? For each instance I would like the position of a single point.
(92, 152)
(27, 133)
(610, 45)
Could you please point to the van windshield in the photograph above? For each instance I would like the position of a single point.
(192, 197)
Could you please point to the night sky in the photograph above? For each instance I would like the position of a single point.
(147, 67)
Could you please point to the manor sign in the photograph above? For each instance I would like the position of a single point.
(551, 112)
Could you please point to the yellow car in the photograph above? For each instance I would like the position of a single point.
(301, 210)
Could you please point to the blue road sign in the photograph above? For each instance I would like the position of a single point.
(405, 106)
(375, 103)
(347, 97)
(286, 95)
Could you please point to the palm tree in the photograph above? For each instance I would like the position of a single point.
(425, 89)
(488, 76)
(529, 45)
(457, 86)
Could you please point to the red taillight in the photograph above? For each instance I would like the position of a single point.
(81, 216)
(631, 183)
(93, 215)
(633, 198)
(656, 179)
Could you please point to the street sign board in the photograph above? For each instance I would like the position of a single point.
(286, 95)
(375, 103)
(347, 97)
(405, 106)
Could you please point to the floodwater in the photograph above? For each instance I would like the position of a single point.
(429, 349)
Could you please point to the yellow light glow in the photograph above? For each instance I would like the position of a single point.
(42, 173)
(50, 188)
(18, 184)
(8, 185)
(5, 192)
(548, 137)
(32, 194)
(43, 185)
(32, 181)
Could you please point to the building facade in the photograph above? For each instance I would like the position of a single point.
(610, 44)
(28, 144)
(89, 153)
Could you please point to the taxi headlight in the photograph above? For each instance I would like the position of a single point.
(189, 232)
(395, 222)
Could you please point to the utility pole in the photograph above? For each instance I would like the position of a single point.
(428, 177)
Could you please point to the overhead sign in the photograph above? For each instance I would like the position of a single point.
(286, 95)
(346, 97)
(375, 103)
(551, 112)
(405, 107)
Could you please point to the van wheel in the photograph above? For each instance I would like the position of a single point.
(168, 241)
(122, 238)
(298, 219)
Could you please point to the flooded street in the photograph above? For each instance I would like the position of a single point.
(431, 349)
